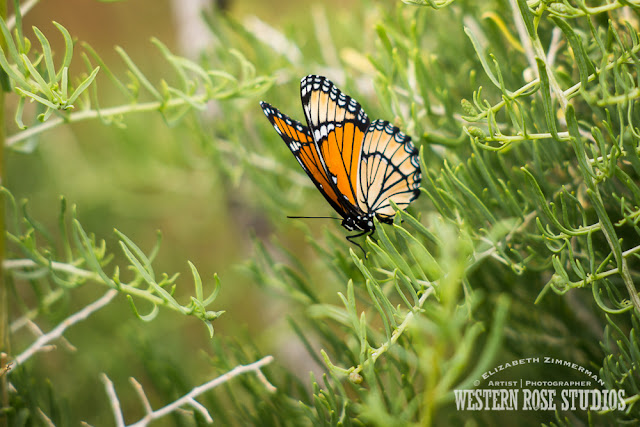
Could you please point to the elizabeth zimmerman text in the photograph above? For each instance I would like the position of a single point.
(546, 360)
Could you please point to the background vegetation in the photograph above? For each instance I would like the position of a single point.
(524, 242)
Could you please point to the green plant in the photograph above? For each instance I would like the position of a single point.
(523, 243)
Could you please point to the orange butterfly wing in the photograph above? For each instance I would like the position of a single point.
(389, 170)
(338, 125)
(299, 140)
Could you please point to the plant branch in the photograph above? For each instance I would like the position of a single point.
(186, 400)
(354, 372)
(21, 264)
(104, 113)
(568, 93)
(64, 325)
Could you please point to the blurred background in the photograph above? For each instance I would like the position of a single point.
(148, 175)
(219, 183)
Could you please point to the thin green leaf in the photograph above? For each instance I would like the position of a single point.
(48, 55)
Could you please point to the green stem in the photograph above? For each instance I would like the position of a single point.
(620, 99)
(591, 11)
(5, 348)
(621, 260)
(15, 264)
(568, 93)
(376, 353)
(598, 276)
(104, 113)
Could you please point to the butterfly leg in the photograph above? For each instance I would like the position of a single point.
(363, 233)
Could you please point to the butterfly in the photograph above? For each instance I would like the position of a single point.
(359, 166)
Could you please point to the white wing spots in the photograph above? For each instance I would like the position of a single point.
(416, 163)
(316, 135)
(278, 121)
(409, 147)
(361, 116)
(417, 178)
(294, 146)
(352, 105)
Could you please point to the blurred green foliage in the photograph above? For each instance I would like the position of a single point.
(524, 242)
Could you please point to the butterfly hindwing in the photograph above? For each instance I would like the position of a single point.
(298, 139)
(338, 124)
(389, 170)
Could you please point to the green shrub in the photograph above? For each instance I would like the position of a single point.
(524, 242)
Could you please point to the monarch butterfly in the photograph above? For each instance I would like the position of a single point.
(359, 166)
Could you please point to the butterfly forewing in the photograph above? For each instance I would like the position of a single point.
(299, 140)
(338, 125)
(389, 170)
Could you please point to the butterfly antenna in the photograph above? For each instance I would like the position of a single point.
(313, 217)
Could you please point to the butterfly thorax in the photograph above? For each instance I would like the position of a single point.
(359, 223)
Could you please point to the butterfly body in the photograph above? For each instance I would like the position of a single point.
(359, 166)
